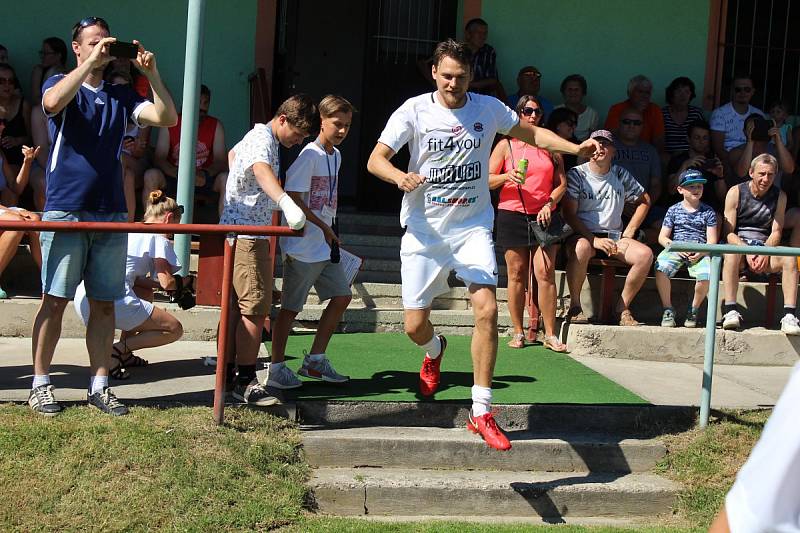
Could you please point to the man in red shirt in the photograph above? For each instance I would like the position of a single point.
(640, 92)
(211, 170)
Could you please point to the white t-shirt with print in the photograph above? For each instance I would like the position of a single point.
(246, 202)
(315, 174)
(601, 198)
(450, 148)
(727, 120)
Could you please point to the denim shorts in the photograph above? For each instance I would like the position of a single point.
(98, 259)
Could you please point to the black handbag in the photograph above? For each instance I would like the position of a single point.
(553, 233)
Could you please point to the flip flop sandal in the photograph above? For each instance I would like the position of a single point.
(517, 341)
(553, 343)
(129, 359)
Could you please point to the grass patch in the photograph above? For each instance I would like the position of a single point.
(154, 469)
(385, 367)
(706, 461)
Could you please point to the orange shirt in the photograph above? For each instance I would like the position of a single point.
(652, 128)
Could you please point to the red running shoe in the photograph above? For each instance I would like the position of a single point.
(429, 373)
(486, 427)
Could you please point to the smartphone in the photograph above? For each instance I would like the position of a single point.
(122, 49)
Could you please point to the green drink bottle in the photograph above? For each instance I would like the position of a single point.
(522, 168)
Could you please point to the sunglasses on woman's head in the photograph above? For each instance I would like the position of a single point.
(528, 111)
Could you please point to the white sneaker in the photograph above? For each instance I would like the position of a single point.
(790, 325)
(281, 377)
(732, 320)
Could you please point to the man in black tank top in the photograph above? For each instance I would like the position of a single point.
(754, 216)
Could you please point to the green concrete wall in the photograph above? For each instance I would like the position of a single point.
(607, 42)
(228, 54)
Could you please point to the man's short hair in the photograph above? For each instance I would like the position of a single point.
(631, 109)
(677, 83)
(697, 125)
(85, 22)
(637, 81)
(576, 78)
(454, 50)
(766, 159)
(475, 22)
(205, 91)
(332, 104)
(301, 112)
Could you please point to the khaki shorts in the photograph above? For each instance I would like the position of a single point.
(252, 280)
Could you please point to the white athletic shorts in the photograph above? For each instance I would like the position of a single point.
(426, 261)
(130, 311)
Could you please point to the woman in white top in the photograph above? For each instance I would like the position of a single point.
(151, 265)
(573, 89)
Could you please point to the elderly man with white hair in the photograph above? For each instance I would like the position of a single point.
(640, 92)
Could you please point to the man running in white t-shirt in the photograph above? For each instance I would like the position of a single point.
(448, 215)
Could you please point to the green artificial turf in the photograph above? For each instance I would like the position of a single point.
(385, 367)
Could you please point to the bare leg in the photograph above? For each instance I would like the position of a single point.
(640, 258)
(700, 292)
(517, 264)
(730, 277)
(788, 268)
(35, 248)
(248, 338)
(328, 322)
(417, 325)
(46, 332)
(160, 329)
(280, 334)
(484, 336)
(9, 240)
(100, 336)
(664, 286)
(576, 270)
(544, 267)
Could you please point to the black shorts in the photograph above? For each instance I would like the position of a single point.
(512, 230)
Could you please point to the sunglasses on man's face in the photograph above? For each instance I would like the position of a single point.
(532, 74)
(528, 111)
(743, 89)
(631, 122)
(85, 23)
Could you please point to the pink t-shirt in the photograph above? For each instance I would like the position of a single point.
(538, 181)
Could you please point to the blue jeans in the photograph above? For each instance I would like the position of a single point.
(98, 259)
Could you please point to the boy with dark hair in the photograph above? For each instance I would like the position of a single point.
(251, 192)
(312, 182)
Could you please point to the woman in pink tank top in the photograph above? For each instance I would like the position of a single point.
(534, 198)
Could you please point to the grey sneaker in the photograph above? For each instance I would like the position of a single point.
(668, 318)
(281, 377)
(43, 402)
(322, 370)
(107, 402)
(255, 394)
(732, 320)
(691, 318)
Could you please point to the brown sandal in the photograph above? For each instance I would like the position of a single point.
(575, 316)
(553, 343)
(517, 341)
(626, 319)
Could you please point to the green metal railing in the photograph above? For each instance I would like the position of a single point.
(716, 251)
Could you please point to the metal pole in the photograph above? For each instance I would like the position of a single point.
(189, 117)
(224, 331)
(711, 331)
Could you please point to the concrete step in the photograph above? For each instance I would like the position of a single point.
(552, 496)
(754, 346)
(434, 448)
(624, 421)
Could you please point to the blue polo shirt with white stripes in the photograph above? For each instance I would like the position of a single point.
(84, 172)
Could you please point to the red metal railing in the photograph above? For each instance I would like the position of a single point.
(195, 229)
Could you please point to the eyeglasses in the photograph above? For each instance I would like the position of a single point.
(631, 122)
(743, 89)
(528, 111)
(85, 23)
(532, 74)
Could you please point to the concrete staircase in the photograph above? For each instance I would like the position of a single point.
(567, 464)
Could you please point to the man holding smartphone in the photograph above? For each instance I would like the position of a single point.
(87, 121)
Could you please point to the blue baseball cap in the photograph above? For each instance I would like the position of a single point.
(690, 177)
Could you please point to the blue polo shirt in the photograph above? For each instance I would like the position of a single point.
(84, 172)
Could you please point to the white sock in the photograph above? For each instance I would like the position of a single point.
(38, 381)
(481, 400)
(433, 347)
(97, 384)
(316, 357)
